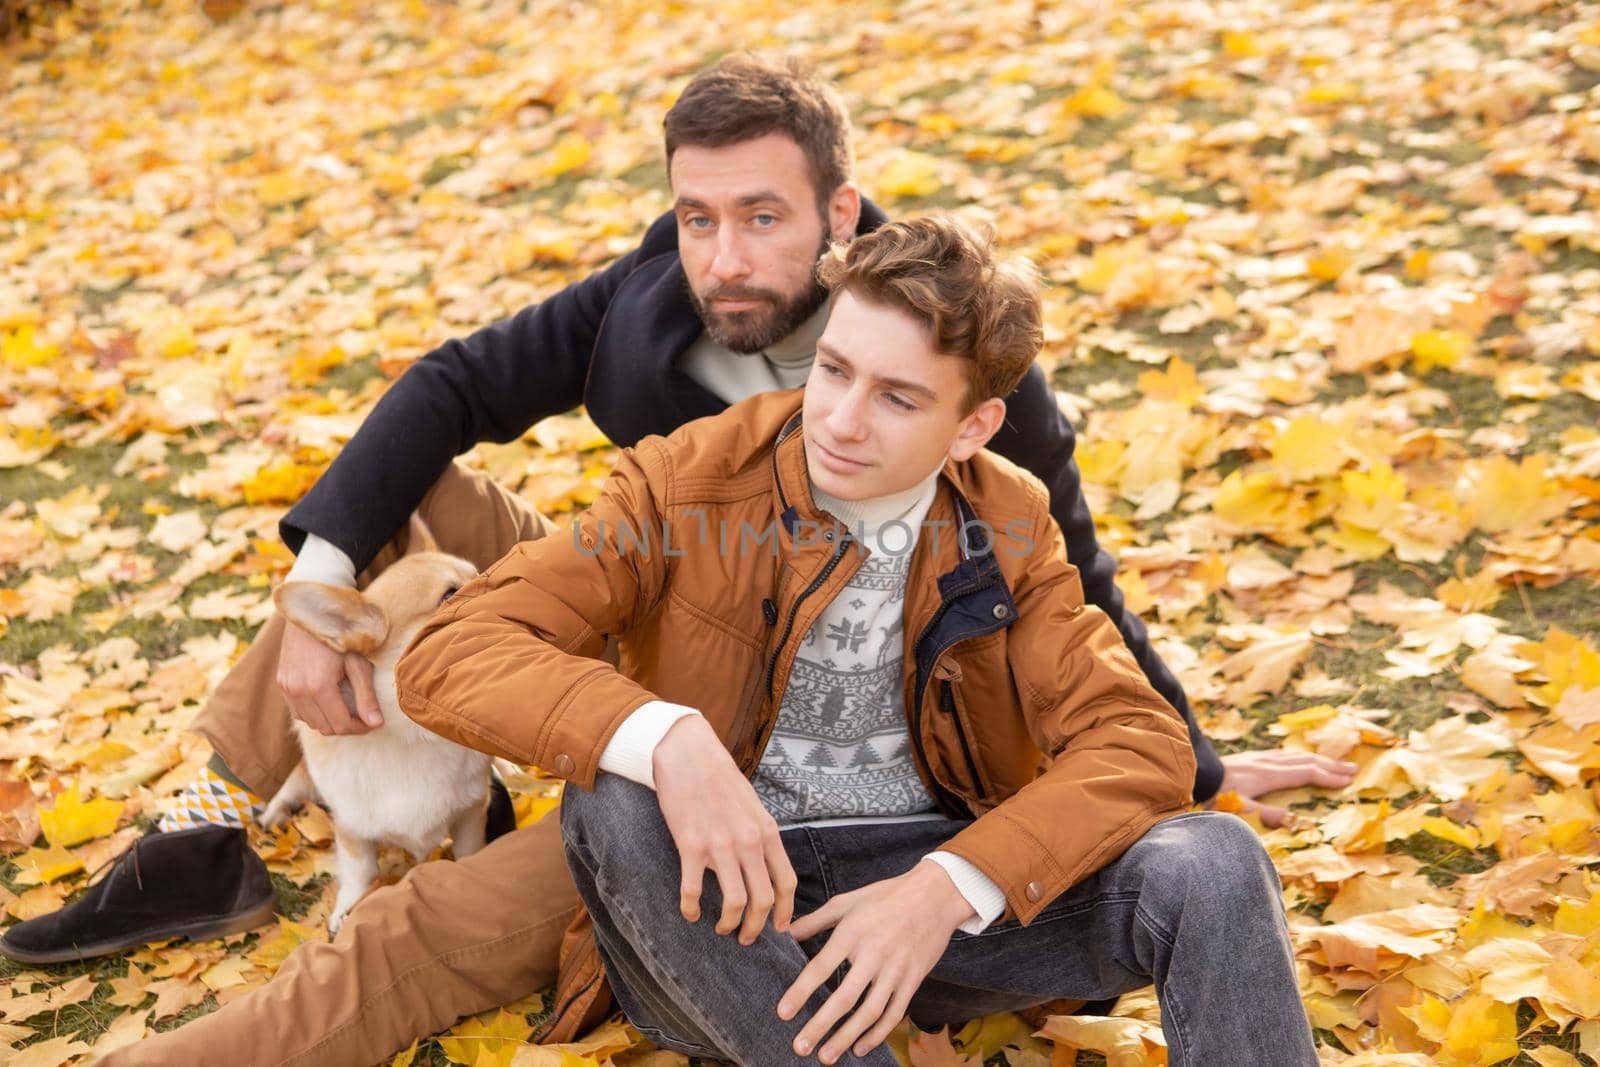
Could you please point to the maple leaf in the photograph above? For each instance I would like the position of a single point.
(1371, 336)
(128, 1029)
(1513, 496)
(934, 1049)
(477, 1041)
(19, 816)
(72, 821)
(1266, 665)
(1513, 886)
(280, 483)
(272, 951)
(1308, 448)
(1123, 1042)
(23, 347)
(1474, 1030)
(1566, 662)
(1439, 348)
(50, 1053)
(909, 174)
(1177, 384)
(1478, 593)
(987, 1036)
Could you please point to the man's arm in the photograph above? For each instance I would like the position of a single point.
(510, 664)
(507, 666)
(1038, 437)
(1120, 755)
(490, 386)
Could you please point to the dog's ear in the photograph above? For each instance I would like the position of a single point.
(342, 619)
(418, 537)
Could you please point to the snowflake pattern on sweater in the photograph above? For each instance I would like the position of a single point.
(840, 747)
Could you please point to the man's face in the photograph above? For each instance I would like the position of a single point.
(749, 234)
(882, 408)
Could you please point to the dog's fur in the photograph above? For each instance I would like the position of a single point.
(397, 784)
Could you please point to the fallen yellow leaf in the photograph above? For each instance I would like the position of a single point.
(72, 821)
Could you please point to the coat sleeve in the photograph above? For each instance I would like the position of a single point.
(489, 386)
(1036, 436)
(509, 665)
(1120, 756)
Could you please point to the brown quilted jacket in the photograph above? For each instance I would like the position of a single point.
(1024, 706)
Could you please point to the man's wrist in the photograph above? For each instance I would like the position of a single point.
(683, 738)
(953, 908)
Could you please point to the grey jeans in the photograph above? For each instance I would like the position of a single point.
(1193, 906)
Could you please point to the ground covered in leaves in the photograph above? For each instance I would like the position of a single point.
(1325, 300)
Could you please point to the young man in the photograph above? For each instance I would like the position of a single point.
(718, 303)
(822, 702)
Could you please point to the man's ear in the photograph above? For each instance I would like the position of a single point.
(844, 212)
(342, 619)
(977, 428)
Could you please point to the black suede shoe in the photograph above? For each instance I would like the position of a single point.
(200, 883)
(501, 818)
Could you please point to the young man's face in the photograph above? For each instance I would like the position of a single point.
(750, 232)
(882, 408)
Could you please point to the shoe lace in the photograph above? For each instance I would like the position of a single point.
(133, 850)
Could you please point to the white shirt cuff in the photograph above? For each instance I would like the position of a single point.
(631, 750)
(986, 898)
(321, 561)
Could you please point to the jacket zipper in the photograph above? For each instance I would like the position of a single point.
(949, 700)
(748, 721)
(794, 609)
(573, 998)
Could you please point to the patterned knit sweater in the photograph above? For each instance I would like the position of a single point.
(840, 747)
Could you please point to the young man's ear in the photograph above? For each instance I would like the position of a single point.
(844, 212)
(977, 428)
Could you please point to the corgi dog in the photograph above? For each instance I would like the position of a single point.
(397, 784)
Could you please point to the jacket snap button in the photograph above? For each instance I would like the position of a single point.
(1001, 611)
(564, 765)
(1035, 891)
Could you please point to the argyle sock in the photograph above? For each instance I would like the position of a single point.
(215, 796)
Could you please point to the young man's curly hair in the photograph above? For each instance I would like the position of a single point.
(944, 273)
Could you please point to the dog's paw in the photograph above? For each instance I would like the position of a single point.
(278, 813)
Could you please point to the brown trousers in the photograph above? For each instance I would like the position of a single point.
(450, 939)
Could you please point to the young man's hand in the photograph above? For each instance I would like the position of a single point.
(309, 673)
(718, 822)
(891, 933)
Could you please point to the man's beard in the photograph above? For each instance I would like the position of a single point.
(760, 328)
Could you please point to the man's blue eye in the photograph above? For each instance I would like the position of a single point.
(766, 220)
(904, 405)
(695, 222)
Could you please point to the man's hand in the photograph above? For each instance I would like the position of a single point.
(309, 673)
(717, 822)
(1250, 774)
(891, 933)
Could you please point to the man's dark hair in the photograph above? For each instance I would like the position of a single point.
(748, 96)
